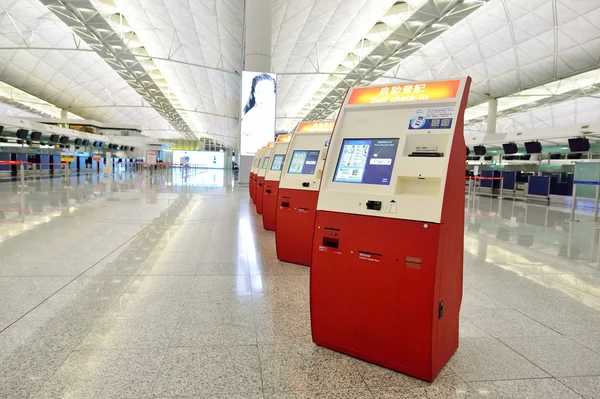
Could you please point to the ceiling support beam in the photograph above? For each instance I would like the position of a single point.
(424, 25)
(87, 22)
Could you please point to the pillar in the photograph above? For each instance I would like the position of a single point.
(64, 114)
(492, 116)
(257, 55)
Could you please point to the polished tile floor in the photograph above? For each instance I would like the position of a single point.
(167, 287)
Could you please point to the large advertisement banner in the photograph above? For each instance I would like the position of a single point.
(258, 110)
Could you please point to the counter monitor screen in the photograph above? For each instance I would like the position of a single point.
(366, 161)
(278, 162)
(265, 162)
(304, 162)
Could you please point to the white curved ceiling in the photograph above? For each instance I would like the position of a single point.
(192, 52)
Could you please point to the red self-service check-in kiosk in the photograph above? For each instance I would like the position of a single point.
(272, 177)
(251, 177)
(260, 177)
(254, 174)
(298, 193)
(387, 264)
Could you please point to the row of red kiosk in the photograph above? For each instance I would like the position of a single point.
(373, 203)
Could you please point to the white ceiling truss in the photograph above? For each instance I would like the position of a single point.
(421, 26)
(173, 67)
(527, 54)
(87, 22)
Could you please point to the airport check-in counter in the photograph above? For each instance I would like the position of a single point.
(298, 193)
(387, 264)
(260, 177)
(272, 178)
(255, 168)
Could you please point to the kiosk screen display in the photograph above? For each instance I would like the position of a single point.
(366, 161)
(304, 162)
(278, 162)
(265, 162)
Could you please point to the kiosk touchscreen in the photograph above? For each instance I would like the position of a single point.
(387, 263)
(260, 177)
(298, 191)
(254, 174)
(272, 177)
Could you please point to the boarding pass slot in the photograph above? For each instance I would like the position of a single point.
(285, 202)
(429, 145)
(268, 190)
(331, 238)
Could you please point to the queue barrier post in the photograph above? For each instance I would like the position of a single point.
(596, 203)
(501, 187)
(573, 204)
(22, 173)
(67, 175)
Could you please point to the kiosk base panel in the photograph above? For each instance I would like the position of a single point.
(377, 291)
(254, 184)
(250, 186)
(295, 224)
(270, 197)
(260, 183)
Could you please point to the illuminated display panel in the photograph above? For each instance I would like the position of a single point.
(425, 91)
(200, 159)
(304, 162)
(278, 162)
(366, 161)
(258, 110)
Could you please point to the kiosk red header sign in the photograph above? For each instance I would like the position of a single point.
(422, 91)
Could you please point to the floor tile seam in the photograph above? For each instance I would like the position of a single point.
(537, 321)
(569, 388)
(524, 357)
(75, 278)
(571, 337)
(179, 318)
(471, 384)
(260, 368)
(108, 308)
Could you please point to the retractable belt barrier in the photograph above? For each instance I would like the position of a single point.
(574, 199)
(479, 178)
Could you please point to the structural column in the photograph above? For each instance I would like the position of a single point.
(492, 115)
(257, 55)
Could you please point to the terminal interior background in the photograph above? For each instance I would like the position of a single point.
(120, 280)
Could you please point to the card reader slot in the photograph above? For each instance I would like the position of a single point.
(426, 154)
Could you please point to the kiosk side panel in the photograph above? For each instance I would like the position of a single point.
(449, 282)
